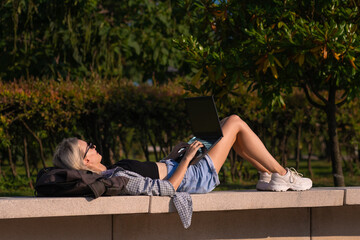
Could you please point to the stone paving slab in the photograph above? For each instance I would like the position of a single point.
(352, 196)
(25, 207)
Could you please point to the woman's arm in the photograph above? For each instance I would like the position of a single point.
(138, 185)
(179, 173)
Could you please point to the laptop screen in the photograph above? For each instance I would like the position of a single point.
(203, 117)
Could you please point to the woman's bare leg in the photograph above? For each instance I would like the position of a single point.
(246, 143)
(253, 162)
(241, 153)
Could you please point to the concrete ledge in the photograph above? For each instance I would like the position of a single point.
(244, 200)
(25, 207)
(30, 207)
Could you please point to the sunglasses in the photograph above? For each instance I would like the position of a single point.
(89, 146)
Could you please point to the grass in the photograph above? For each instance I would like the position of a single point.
(322, 176)
(19, 186)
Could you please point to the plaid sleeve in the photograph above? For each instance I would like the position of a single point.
(139, 185)
(148, 186)
(184, 207)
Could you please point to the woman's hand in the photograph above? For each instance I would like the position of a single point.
(180, 171)
(191, 151)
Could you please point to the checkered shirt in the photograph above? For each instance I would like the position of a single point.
(139, 185)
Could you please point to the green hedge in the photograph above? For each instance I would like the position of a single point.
(119, 117)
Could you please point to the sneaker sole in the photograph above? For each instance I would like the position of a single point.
(262, 186)
(283, 188)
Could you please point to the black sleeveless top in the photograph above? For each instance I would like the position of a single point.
(145, 169)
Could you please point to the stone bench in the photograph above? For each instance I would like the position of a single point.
(320, 213)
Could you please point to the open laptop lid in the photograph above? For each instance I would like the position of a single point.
(203, 117)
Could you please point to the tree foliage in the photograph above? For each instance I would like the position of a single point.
(275, 46)
(79, 38)
(67, 68)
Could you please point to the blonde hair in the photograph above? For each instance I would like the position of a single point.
(69, 155)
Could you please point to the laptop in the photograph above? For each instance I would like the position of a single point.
(204, 120)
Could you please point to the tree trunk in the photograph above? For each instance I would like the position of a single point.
(40, 143)
(298, 151)
(323, 147)
(334, 140)
(231, 157)
(234, 167)
(123, 143)
(310, 149)
(223, 175)
(144, 144)
(105, 141)
(153, 144)
(116, 149)
(283, 149)
(241, 164)
(26, 161)
(349, 158)
(12, 165)
(357, 155)
(1, 173)
(272, 144)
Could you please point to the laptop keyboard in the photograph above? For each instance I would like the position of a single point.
(207, 142)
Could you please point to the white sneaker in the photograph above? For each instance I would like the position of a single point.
(263, 183)
(291, 180)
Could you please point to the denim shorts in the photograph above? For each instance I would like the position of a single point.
(199, 178)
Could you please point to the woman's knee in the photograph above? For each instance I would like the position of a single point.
(236, 120)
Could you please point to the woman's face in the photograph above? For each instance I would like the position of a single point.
(92, 158)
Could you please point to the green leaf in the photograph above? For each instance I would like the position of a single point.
(301, 59)
(135, 45)
(197, 77)
(278, 62)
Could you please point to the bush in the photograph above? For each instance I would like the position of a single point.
(118, 116)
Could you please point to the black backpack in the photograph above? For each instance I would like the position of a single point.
(57, 182)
